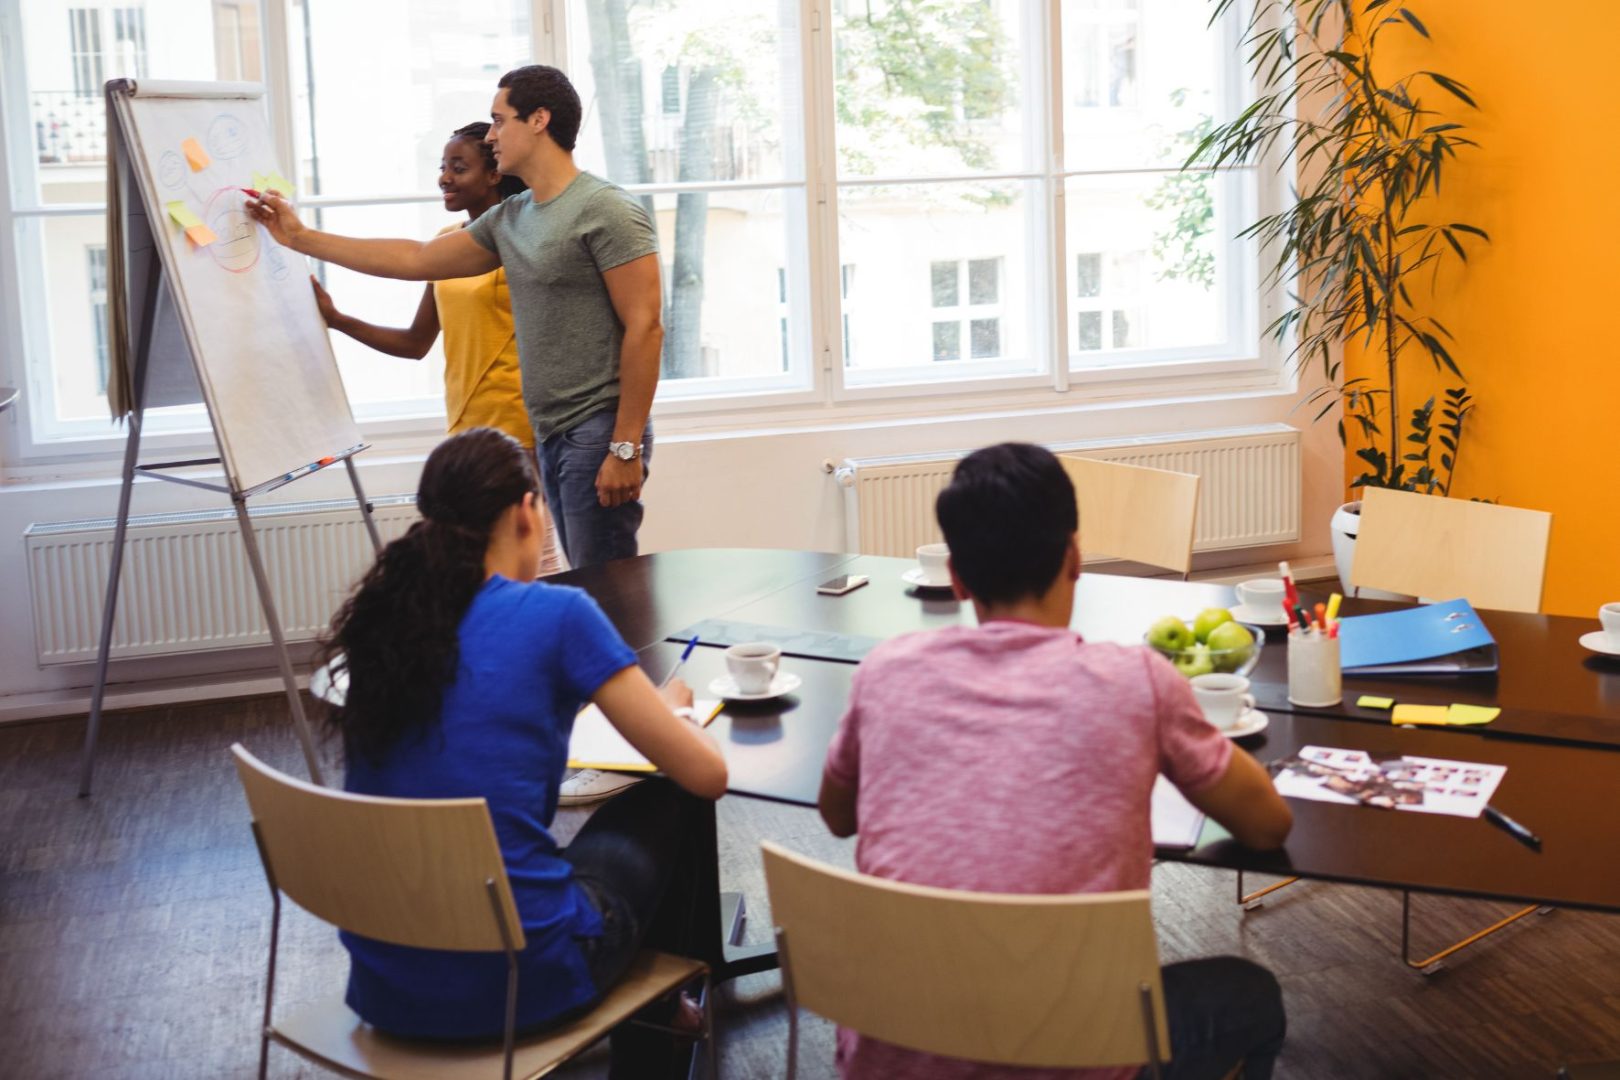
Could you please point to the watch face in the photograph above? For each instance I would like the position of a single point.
(623, 451)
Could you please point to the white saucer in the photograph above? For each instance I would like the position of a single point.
(785, 682)
(1256, 616)
(1598, 642)
(914, 577)
(1252, 722)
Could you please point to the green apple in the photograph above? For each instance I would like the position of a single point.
(1232, 645)
(1195, 661)
(1169, 634)
(1208, 620)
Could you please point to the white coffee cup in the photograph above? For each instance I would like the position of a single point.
(1609, 616)
(934, 560)
(753, 665)
(1224, 698)
(1263, 597)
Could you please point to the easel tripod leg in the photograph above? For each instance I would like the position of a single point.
(109, 609)
(267, 601)
(365, 507)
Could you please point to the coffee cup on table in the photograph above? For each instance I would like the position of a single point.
(1224, 698)
(934, 559)
(753, 665)
(1609, 616)
(1264, 597)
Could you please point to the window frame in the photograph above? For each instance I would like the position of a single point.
(817, 304)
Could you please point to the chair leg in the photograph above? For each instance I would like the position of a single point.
(1429, 964)
(275, 942)
(1247, 900)
(1155, 1064)
(792, 1005)
(708, 1027)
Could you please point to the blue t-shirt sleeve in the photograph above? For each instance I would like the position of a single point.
(591, 649)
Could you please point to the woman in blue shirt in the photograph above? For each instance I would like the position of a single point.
(464, 675)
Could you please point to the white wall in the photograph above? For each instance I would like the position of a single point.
(753, 488)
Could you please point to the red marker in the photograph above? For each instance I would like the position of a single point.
(250, 191)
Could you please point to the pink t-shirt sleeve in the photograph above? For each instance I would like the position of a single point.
(1193, 754)
(844, 755)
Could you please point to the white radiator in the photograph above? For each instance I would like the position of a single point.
(1250, 494)
(186, 584)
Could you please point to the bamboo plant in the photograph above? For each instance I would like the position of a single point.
(1355, 250)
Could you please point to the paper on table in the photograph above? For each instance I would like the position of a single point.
(1176, 822)
(596, 744)
(1418, 784)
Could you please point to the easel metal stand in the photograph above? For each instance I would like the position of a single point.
(261, 580)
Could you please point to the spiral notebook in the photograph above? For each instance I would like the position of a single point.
(596, 744)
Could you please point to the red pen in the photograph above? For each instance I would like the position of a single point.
(250, 191)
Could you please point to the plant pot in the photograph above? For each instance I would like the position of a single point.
(1344, 527)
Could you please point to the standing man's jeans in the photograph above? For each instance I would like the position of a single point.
(589, 532)
(1221, 1010)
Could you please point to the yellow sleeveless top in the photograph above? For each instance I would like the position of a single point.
(483, 386)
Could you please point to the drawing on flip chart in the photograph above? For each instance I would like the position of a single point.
(226, 137)
(237, 246)
(171, 169)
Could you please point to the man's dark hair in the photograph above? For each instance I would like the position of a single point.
(1007, 515)
(537, 86)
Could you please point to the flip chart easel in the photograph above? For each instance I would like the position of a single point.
(213, 313)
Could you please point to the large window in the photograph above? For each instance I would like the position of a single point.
(1016, 211)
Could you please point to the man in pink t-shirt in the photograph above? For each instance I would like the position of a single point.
(1014, 757)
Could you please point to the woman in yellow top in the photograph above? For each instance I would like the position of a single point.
(482, 384)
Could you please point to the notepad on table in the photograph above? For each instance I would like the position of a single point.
(596, 744)
(1176, 822)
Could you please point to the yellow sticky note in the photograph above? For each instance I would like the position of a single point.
(273, 181)
(196, 156)
(182, 215)
(201, 235)
(1420, 714)
(1368, 701)
(1471, 714)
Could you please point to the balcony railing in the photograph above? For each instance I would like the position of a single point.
(69, 128)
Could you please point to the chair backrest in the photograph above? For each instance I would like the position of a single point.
(407, 871)
(1049, 981)
(1132, 512)
(1427, 545)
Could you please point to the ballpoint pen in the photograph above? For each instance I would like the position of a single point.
(1512, 828)
(686, 652)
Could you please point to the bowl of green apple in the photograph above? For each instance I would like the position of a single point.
(1213, 641)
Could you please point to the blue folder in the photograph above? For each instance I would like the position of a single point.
(1445, 638)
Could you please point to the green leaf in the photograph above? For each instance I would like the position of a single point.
(1453, 87)
(1413, 19)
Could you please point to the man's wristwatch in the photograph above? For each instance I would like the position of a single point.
(625, 451)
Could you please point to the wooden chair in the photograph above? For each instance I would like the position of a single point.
(1496, 556)
(1131, 512)
(424, 873)
(1056, 981)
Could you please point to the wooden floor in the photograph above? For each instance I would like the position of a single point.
(133, 929)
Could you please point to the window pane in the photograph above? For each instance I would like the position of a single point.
(730, 111)
(945, 290)
(374, 119)
(934, 257)
(984, 281)
(726, 293)
(67, 297)
(70, 51)
(1141, 81)
(928, 87)
(986, 338)
(1151, 254)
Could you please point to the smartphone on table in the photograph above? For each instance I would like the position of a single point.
(841, 584)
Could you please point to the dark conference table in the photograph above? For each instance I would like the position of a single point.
(1557, 734)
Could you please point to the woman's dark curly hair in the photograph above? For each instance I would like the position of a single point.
(509, 185)
(396, 636)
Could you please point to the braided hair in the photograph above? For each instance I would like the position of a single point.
(397, 634)
(509, 185)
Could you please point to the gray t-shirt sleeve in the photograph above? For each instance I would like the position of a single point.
(482, 228)
(616, 229)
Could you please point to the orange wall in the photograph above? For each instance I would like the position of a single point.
(1536, 313)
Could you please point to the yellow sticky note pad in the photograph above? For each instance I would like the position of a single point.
(201, 235)
(182, 215)
(196, 156)
(1420, 714)
(1368, 701)
(273, 181)
(1471, 714)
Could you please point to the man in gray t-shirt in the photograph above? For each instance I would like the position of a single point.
(581, 260)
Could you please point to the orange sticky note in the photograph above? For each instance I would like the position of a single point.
(1420, 714)
(200, 234)
(196, 156)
